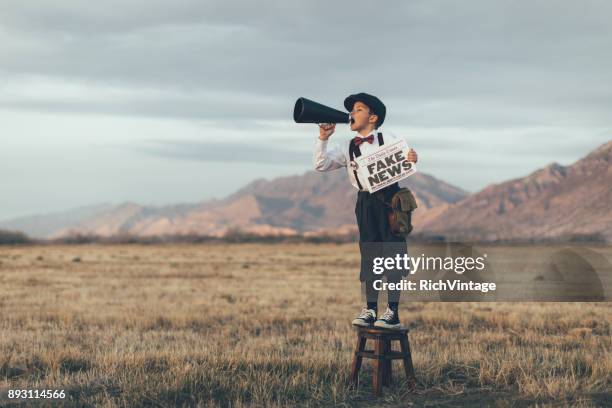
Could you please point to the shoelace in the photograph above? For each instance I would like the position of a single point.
(388, 315)
(365, 313)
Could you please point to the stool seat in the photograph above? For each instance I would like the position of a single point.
(381, 331)
(383, 355)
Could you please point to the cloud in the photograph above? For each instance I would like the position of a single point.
(215, 151)
(500, 64)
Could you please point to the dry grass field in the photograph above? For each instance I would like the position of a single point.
(269, 325)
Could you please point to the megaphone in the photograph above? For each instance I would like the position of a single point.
(307, 111)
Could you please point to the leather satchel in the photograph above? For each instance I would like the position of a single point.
(401, 206)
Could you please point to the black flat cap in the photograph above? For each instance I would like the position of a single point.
(372, 102)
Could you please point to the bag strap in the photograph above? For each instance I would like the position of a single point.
(380, 139)
(355, 151)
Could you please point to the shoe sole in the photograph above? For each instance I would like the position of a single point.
(387, 326)
(361, 323)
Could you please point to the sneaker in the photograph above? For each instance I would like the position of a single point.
(366, 318)
(389, 320)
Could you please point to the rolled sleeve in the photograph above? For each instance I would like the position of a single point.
(327, 157)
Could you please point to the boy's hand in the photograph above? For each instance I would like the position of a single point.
(326, 130)
(412, 156)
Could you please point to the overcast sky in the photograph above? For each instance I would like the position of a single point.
(163, 102)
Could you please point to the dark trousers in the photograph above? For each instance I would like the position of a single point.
(376, 239)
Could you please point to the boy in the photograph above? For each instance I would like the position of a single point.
(375, 238)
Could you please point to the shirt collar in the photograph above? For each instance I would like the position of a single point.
(373, 133)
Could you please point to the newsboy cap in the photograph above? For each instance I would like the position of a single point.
(372, 102)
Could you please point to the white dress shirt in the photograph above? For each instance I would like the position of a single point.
(329, 156)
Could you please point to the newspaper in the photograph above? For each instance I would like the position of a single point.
(384, 166)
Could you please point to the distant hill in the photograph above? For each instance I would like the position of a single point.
(553, 202)
(46, 225)
(308, 203)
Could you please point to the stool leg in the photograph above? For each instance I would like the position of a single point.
(361, 342)
(408, 368)
(387, 364)
(378, 366)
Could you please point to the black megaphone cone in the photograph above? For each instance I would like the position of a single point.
(307, 111)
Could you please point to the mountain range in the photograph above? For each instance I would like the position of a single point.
(312, 203)
(556, 201)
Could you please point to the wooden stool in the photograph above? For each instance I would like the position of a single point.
(383, 355)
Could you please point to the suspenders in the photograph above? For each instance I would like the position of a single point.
(355, 151)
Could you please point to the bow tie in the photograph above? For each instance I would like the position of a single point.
(360, 140)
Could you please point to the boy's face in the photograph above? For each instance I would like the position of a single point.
(362, 117)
